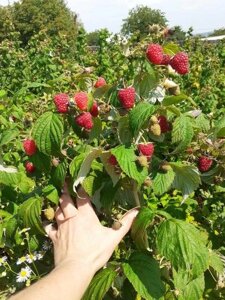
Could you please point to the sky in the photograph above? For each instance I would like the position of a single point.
(202, 15)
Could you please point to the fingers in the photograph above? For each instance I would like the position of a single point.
(51, 231)
(84, 202)
(126, 222)
(66, 204)
(59, 216)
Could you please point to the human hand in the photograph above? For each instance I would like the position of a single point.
(80, 238)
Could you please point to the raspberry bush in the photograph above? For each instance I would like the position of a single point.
(129, 129)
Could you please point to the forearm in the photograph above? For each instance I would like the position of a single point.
(67, 282)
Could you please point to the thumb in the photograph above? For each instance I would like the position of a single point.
(126, 222)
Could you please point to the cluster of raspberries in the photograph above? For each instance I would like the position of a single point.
(179, 62)
(30, 149)
(81, 99)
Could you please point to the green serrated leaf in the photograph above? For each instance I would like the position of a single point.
(8, 136)
(48, 132)
(145, 82)
(30, 212)
(93, 182)
(58, 175)
(107, 194)
(182, 133)
(188, 289)
(127, 161)
(143, 273)
(181, 243)
(124, 132)
(171, 48)
(109, 168)
(162, 182)
(202, 123)
(100, 284)
(76, 164)
(138, 230)
(51, 193)
(96, 130)
(169, 100)
(187, 178)
(139, 115)
(215, 262)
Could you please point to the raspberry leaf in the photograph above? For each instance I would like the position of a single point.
(163, 182)
(145, 82)
(144, 274)
(126, 158)
(188, 289)
(51, 193)
(58, 175)
(30, 212)
(140, 115)
(48, 132)
(171, 49)
(187, 178)
(100, 284)
(141, 223)
(169, 100)
(183, 245)
(182, 133)
(124, 132)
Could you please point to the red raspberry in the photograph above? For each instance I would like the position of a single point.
(94, 109)
(112, 160)
(180, 63)
(155, 54)
(29, 166)
(127, 97)
(164, 124)
(84, 120)
(204, 163)
(62, 103)
(81, 100)
(100, 82)
(146, 149)
(166, 59)
(30, 147)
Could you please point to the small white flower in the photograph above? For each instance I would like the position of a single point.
(3, 259)
(39, 256)
(21, 260)
(46, 246)
(24, 274)
(30, 258)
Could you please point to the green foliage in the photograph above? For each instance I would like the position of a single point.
(140, 18)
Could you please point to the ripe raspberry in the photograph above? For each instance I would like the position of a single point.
(100, 82)
(81, 99)
(62, 103)
(164, 124)
(30, 147)
(155, 54)
(112, 160)
(204, 163)
(155, 129)
(180, 63)
(127, 97)
(84, 120)
(29, 166)
(94, 109)
(166, 59)
(146, 149)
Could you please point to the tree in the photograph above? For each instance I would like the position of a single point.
(176, 34)
(31, 16)
(93, 38)
(216, 32)
(139, 19)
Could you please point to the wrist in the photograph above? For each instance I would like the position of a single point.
(75, 266)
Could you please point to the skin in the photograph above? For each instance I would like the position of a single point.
(81, 247)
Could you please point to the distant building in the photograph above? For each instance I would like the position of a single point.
(213, 39)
